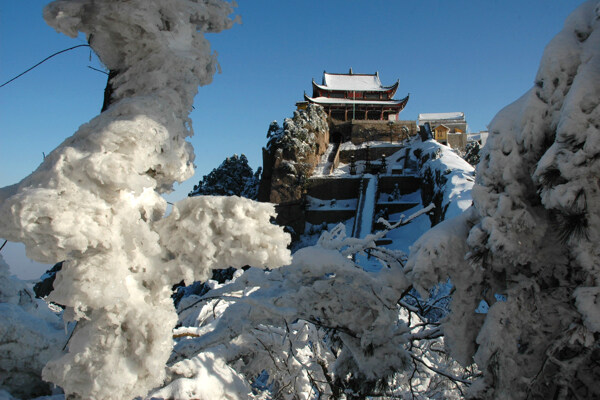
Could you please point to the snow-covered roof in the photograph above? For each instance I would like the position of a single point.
(330, 100)
(369, 82)
(442, 116)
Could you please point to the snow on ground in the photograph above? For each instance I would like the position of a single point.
(459, 175)
(455, 187)
(394, 161)
(404, 236)
(392, 198)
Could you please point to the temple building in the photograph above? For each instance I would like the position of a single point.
(447, 128)
(353, 96)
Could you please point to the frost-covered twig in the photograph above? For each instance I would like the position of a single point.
(426, 334)
(441, 372)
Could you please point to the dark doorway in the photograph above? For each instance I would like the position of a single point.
(335, 137)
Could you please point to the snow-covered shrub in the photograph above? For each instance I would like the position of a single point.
(532, 234)
(234, 177)
(320, 328)
(447, 179)
(471, 154)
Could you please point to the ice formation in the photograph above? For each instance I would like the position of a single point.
(95, 200)
(532, 234)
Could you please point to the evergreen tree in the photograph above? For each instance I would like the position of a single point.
(472, 154)
(529, 245)
(234, 177)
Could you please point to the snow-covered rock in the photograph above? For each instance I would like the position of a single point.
(292, 153)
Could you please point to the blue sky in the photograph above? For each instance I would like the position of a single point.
(473, 56)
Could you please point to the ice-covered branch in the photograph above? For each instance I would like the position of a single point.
(321, 323)
(95, 200)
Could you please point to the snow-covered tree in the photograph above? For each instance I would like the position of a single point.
(322, 327)
(234, 177)
(472, 155)
(529, 245)
(446, 179)
(96, 201)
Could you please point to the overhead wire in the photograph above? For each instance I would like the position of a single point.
(41, 62)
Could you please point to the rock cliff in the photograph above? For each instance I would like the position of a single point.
(290, 157)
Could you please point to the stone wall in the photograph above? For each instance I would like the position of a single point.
(406, 184)
(291, 215)
(385, 131)
(317, 217)
(360, 131)
(375, 153)
(334, 188)
(457, 140)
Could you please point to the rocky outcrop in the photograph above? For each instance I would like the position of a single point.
(290, 157)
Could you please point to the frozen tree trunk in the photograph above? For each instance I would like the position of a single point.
(96, 198)
(108, 90)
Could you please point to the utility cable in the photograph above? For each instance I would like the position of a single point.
(43, 61)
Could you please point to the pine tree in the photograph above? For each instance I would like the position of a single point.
(234, 177)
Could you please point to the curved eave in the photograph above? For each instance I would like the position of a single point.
(392, 89)
(399, 104)
(404, 101)
(389, 89)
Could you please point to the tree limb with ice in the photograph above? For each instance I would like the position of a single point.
(96, 202)
(321, 326)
